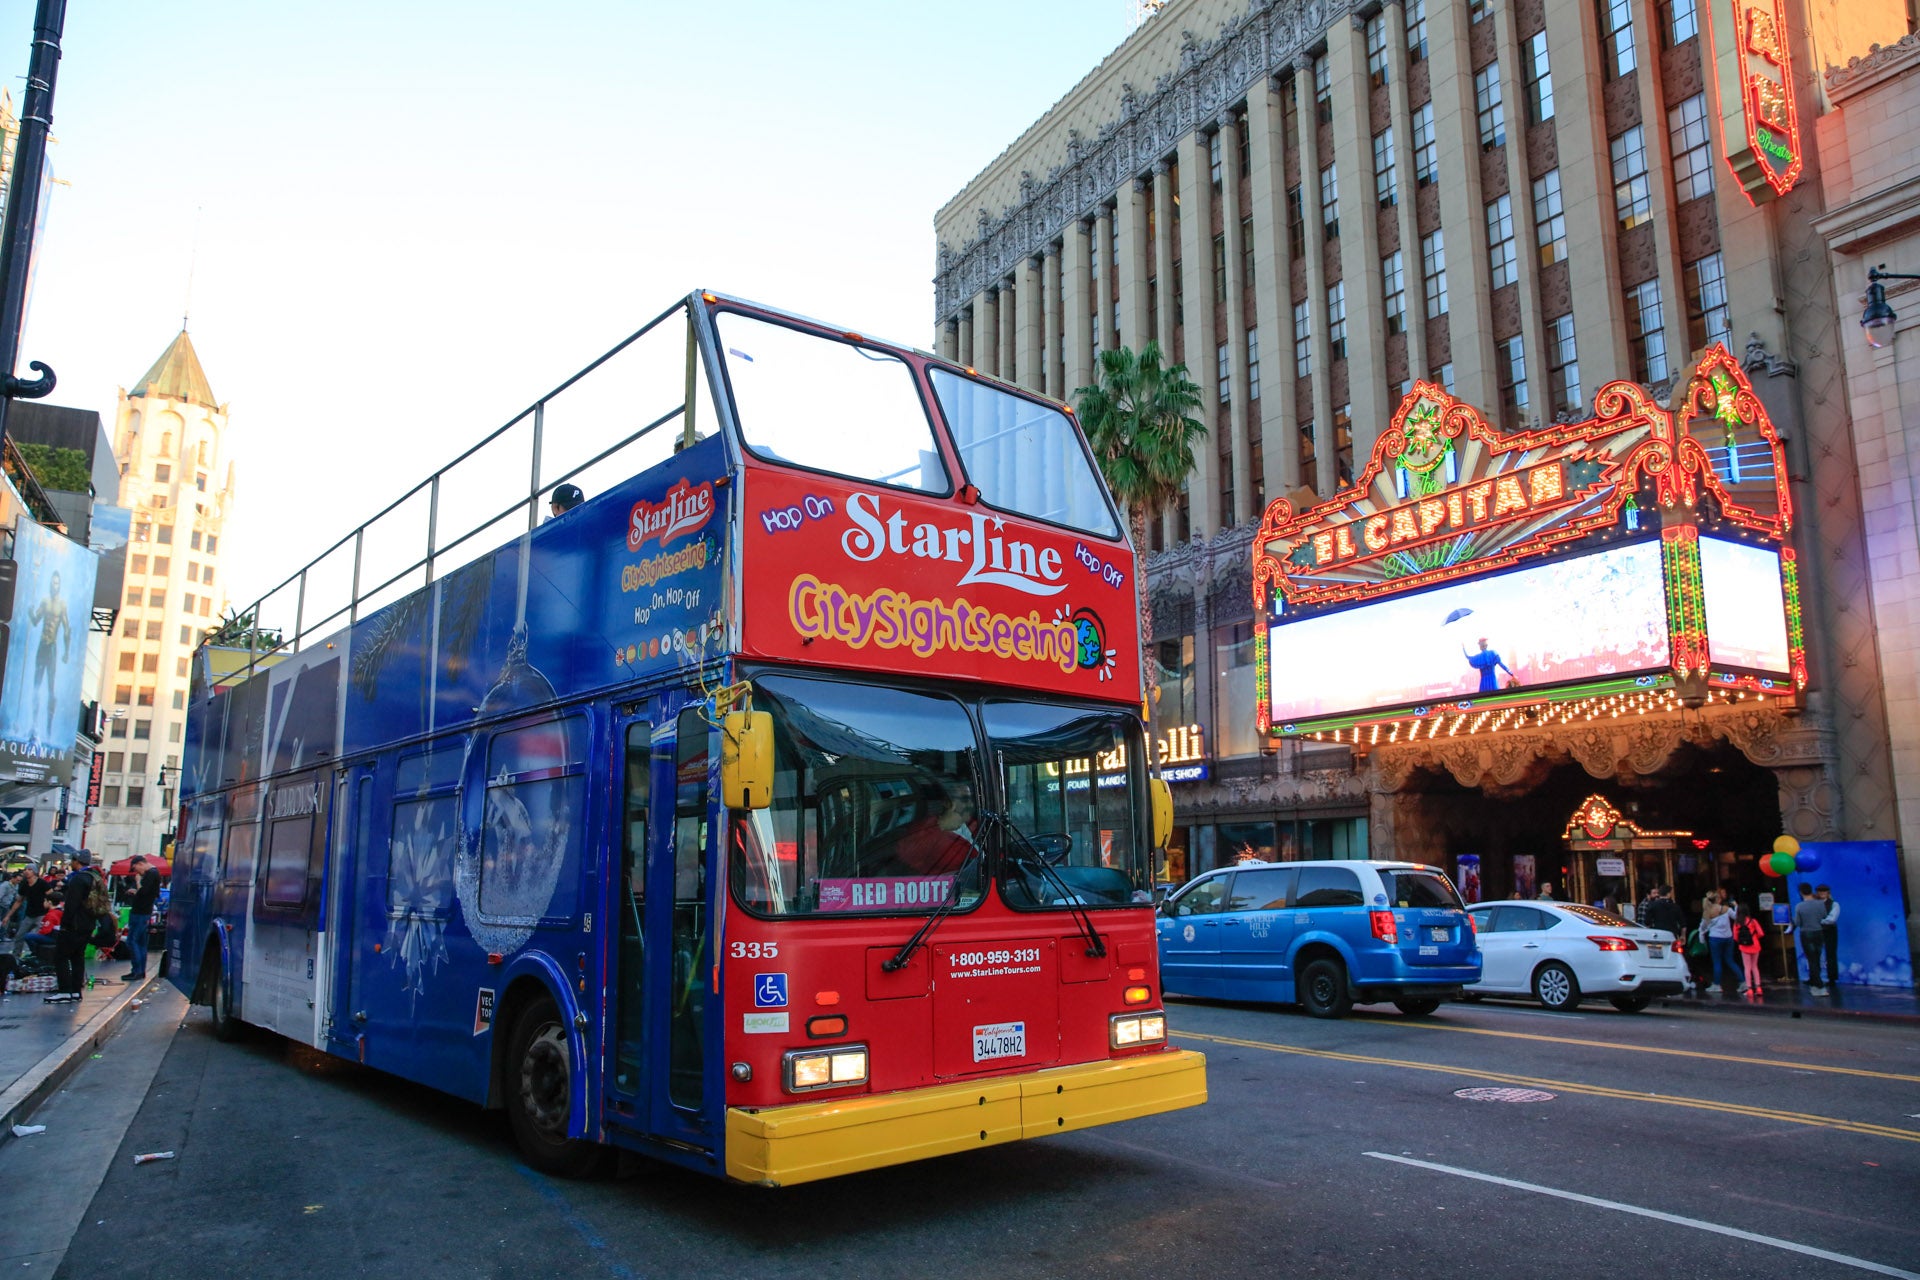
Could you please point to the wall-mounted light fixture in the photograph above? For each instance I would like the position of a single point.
(1877, 320)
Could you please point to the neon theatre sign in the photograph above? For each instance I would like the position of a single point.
(1758, 119)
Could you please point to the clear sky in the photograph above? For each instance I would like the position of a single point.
(416, 216)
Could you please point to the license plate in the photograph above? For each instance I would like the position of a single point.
(1657, 951)
(1439, 933)
(1001, 1040)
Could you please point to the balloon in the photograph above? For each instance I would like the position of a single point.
(1786, 844)
(1807, 860)
(1776, 864)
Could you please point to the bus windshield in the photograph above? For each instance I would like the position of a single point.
(1073, 779)
(874, 803)
(1024, 456)
(829, 405)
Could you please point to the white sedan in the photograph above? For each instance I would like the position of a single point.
(1560, 952)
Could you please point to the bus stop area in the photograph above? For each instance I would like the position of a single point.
(42, 1045)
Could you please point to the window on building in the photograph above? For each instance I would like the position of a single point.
(188, 606)
(1246, 253)
(142, 730)
(1343, 442)
(1337, 320)
(128, 659)
(1302, 340)
(186, 635)
(1220, 267)
(180, 668)
(144, 698)
(1443, 375)
(196, 539)
(136, 797)
(1539, 77)
(155, 600)
(1309, 466)
(1632, 189)
(164, 535)
(137, 763)
(159, 503)
(1296, 225)
(136, 564)
(206, 571)
(1383, 188)
(173, 735)
(213, 543)
(1705, 283)
(162, 565)
(117, 728)
(1679, 21)
(1377, 49)
(1330, 203)
(1323, 90)
(1253, 364)
(1515, 403)
(1549, 218)
(1487, 106)
(1646, 332)
(200, 482)
(193, 571)
(1563, 365)
(1393, 289)
(162, 472)
(1616, 38)
(153, 629)
(1213, 159)
(150, 662)
(1226, 480)
(1692, 145)
(1223, 366)
(179, 699)
(1433, 271)
(130, 628)
(123, 694)
(116, 761)
(1426, 153)
(1479, 10)
(1416, 30)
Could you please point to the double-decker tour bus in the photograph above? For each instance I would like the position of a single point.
(783, 811)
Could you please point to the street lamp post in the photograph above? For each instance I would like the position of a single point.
(23, 205)
(1877, 320)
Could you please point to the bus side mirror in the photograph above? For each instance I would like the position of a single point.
(1162, 811)
(746, 759)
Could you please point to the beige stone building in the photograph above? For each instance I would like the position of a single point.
(1314, 203)
(177, 479)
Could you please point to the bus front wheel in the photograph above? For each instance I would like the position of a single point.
(539, 1089)
(226, 1026)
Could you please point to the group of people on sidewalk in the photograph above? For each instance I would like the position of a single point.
(62, 917)
(1723, 949)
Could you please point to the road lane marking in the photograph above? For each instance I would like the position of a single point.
(1644, 1048)
(1791, 1246)
(1863, 1127)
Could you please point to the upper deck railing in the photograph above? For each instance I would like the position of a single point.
(400, 549)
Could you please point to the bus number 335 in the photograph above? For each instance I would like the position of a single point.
(754, 950)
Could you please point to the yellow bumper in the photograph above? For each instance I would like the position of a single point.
(782, 1146)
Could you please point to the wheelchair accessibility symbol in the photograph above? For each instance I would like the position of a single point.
(769, 990)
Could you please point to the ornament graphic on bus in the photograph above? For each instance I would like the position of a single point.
(1090, 641)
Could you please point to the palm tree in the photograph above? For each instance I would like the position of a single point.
(1139, 420)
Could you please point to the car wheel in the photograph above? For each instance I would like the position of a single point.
(1420, 1008)
(226, 1025)
(1630, 1004)
(539, 1089)
(1555, 987)
(1323, 989)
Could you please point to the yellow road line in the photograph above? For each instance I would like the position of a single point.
(1645, 1048)
(1571, 1086)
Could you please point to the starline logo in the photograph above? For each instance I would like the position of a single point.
(989, 557)
(683, 510)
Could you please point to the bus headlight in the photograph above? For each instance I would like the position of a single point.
(1131, 1030)
(825, 1068)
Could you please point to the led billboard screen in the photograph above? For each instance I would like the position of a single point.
(46, 655)
(1746, 612)
(1591, 617)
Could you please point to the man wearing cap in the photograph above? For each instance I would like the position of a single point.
(565, 497)
(76, 927)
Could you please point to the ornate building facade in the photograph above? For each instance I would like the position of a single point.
(1315, 203)
(177, 480)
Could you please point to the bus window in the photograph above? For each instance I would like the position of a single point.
(535, 818)
(1022, 455)
(288, 841)
(628, 998)
(873, 807)
(817, 402)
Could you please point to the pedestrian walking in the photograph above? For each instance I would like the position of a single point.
(1748, 935)
(77, 906)
(1717, 925)
(139, 911)
(28, 910)
(1546, 892)
(1808, 916)
(1830, 932)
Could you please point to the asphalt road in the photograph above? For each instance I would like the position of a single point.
(1672, 1143)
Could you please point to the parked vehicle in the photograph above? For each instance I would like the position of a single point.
(1562, 952)
(1326, 935)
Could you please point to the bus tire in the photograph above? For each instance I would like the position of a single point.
(226, 1026)
(1323, 988)
(539, 1095)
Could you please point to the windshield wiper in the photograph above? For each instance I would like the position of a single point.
(941, 912)
(1096, 945)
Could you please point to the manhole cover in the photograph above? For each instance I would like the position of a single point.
(1503, 1095)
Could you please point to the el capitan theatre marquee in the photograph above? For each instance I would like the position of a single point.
(1471, 580)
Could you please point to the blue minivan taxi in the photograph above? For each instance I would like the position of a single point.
(1325, 935)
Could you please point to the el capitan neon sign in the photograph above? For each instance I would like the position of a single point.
(1759, 120)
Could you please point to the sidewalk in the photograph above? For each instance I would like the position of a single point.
(42, 1044)
(1872, 1004)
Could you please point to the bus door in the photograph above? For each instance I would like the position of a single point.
(683, 1093)
(346, 865)
(627, 1074)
